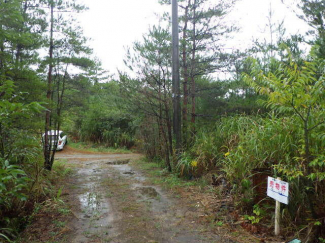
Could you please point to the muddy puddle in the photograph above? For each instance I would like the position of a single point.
(94, 214)
(113, 202)
(149, 192)
(127, 171)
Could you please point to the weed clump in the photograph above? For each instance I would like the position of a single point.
(24, 190)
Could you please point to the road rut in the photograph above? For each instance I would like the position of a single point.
(113, 202)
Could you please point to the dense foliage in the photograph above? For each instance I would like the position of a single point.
(265, 118)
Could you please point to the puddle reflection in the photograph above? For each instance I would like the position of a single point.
(89, 201)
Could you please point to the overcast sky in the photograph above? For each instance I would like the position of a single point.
(114, 24)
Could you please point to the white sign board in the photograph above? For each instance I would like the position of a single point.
(278, 190)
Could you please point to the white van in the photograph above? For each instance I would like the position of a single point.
(58, 137)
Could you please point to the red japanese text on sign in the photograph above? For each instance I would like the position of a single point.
(278, 190)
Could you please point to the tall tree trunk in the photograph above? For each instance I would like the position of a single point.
(59, 109)
(19, 46)
(47, 145)
(177, 126)
(193, 70)
(160, 124)
(160, 138)
(169, 130)
(185, 76)
(169, 136)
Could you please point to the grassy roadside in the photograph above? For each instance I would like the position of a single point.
(171, 181)
(97, 148)
(211, 207)
(48, 220)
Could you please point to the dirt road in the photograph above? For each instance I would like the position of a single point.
(113, 202)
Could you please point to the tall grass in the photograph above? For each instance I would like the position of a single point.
(239, 146)
(242, 143)
(261, 143)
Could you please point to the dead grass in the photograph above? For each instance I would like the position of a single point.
(212, 208)
(49, 223)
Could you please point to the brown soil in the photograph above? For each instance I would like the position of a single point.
(111, 201)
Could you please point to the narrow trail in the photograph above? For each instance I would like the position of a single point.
(113, 202)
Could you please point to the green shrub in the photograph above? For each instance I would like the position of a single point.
(13, 181)
(113, 128)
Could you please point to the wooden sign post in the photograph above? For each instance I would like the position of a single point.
(277, 215)
(278, 190)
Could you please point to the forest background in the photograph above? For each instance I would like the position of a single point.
(264, 117)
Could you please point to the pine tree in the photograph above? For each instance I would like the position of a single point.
(314, 15)
(67, 47)
(150, 92)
